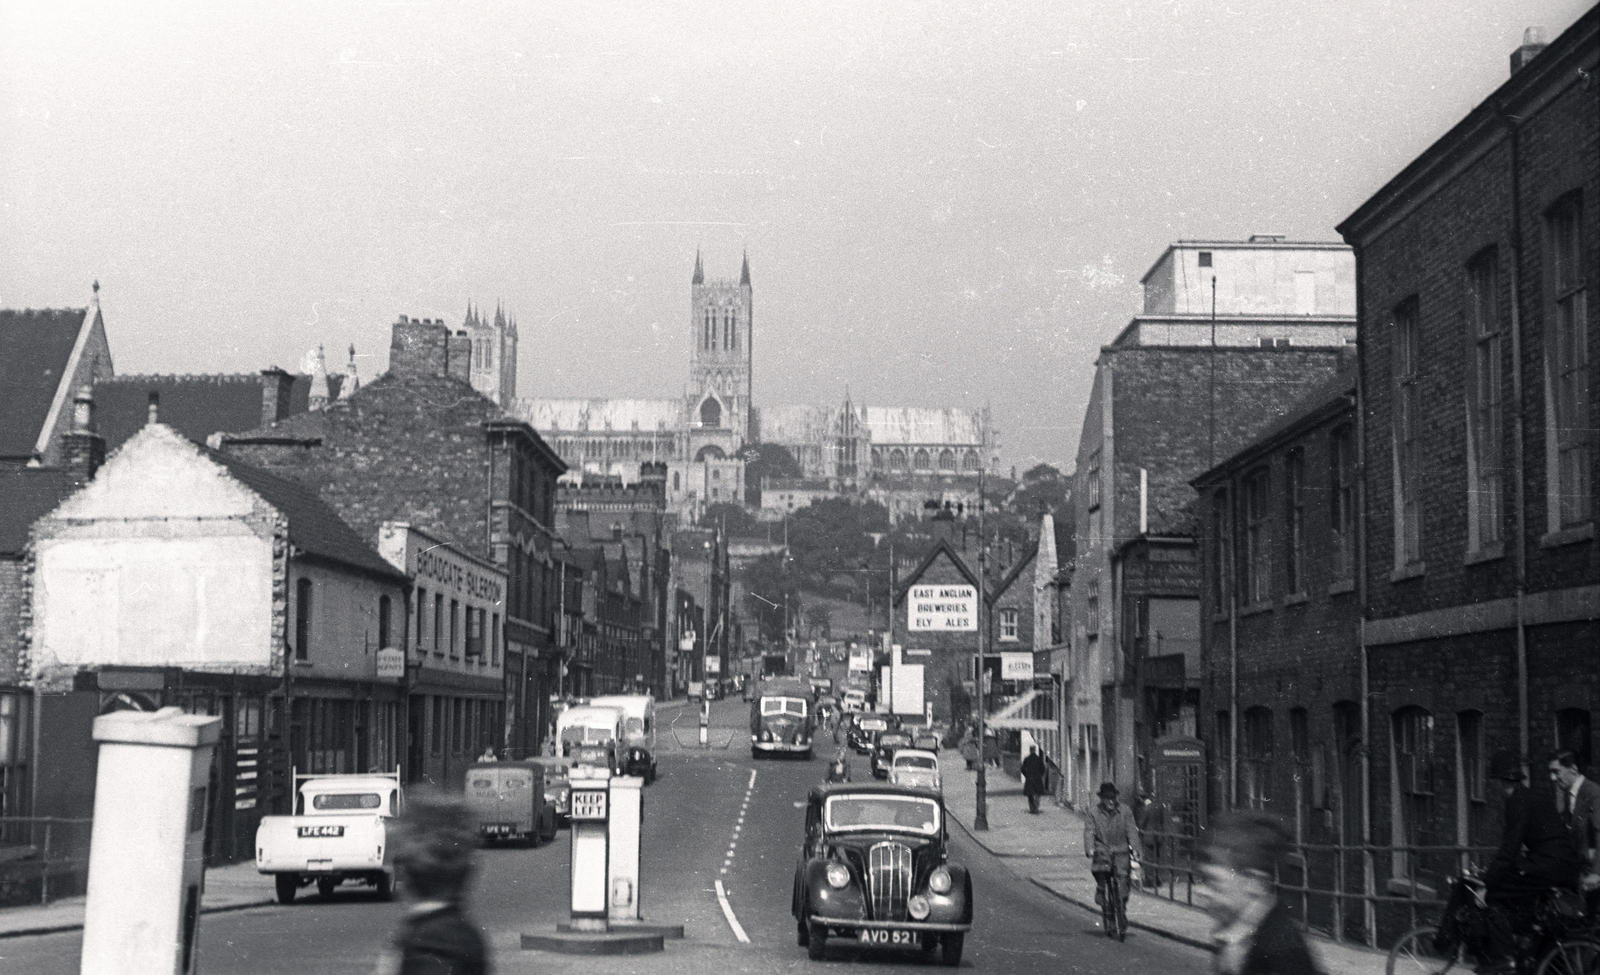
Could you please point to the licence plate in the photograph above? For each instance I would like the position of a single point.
(309, 831)
(894, 939)
(498, 829)
(589, 805)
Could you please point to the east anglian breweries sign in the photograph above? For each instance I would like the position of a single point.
(943, 608)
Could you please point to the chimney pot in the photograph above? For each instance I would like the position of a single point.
(153, 414)
(83, 410)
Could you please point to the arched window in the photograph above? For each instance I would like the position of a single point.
(1412, 778)
(1256, 752)
(733, 333)
(1572, 734)
(947, 460)
(708, 330)
(877, 458)
(711, 413)
(709, 452)
(969, 460)
(897, 459)
(921, 461)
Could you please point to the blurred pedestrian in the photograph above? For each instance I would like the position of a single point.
(1033, 779)
(1578, 801)
(1152, 819)
(1254, 935)
(433, 844)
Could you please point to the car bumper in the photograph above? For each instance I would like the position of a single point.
(855, 924)
(779, 746)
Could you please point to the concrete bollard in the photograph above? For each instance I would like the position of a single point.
(146, 854)
(627, 813)
(590, 811)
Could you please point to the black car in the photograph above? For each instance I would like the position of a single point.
(864, 731)
(883, 749)
(637, 759)
(875, 872)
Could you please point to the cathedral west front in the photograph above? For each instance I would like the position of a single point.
(696, 443)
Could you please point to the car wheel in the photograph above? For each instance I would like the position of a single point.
(325, 886)
(817, 943)
(385, 887)
(802, 933)
(755, 753)
(950, 946)
(550, 825)
(287, 884)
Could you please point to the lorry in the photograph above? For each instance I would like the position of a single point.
(638, 732)
(507, 801)
(339, 832)
(587, 731)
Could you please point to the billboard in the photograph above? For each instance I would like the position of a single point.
(943, 607)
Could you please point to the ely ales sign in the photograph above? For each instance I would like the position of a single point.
(942, 608)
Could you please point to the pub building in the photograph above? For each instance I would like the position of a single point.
(454, 672)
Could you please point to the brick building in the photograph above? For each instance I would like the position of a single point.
(1279, 622)
(1232, 334)
(179, 576)
(420, 445)
(1480, 571)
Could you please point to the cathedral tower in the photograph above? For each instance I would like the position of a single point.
(719, 357)
(494, 354)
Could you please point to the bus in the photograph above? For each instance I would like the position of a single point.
(781, 718)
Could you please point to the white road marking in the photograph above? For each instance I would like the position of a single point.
(727, 909)
(752, 784)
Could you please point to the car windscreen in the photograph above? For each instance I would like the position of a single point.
(914, 761)
(871, 724)
(783, 705)
(882, 812)
(330, 801)
(585, 735)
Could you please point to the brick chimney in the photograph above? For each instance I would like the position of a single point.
(418, 347)
(458, 358)
(82, 449)
(153, 409)
(275, 386)
(1532, 43)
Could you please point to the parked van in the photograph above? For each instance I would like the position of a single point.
(638, 732)
(508, 802)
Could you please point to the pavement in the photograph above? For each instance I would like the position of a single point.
(229, 888)
(1047, 850)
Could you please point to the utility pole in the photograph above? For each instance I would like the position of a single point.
(980, 818)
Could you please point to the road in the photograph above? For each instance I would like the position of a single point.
(692, 838)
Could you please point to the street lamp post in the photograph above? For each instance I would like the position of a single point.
(980, 817)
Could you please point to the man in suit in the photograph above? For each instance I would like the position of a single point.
(1536, 853)
(1578, 801)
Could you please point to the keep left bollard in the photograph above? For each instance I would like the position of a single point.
(146, 853)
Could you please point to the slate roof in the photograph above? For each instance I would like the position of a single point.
(557, 416)
(30, 493)
(195, 406)
(35, 349)
(313, 526)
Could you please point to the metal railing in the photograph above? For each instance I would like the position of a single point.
(1361, 893)
(41, 856)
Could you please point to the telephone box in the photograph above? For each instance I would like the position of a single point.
(147, 850)
(1179, 768)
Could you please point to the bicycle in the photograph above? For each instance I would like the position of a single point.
(1113, 916)
(1556, 942)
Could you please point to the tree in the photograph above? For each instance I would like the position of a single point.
(763, 460)
(769, 587)
(734, 519)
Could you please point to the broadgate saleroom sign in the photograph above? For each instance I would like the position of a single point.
(943, 608)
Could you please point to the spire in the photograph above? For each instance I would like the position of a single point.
(699, 270)
(96, 298)
(471, 321)
(352, 380)
(499, 316)
(744, 275)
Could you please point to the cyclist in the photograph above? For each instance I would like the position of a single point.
(1109, 834)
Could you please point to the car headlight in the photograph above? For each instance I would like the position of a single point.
(939, 881)
(838, 876)
(918, 906)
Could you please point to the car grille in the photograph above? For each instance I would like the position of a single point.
(889, 880)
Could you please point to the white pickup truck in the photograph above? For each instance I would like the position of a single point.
(339, 832)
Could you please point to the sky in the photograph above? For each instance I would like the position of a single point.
(943, 204)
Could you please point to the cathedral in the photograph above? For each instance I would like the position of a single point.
(696, 442)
